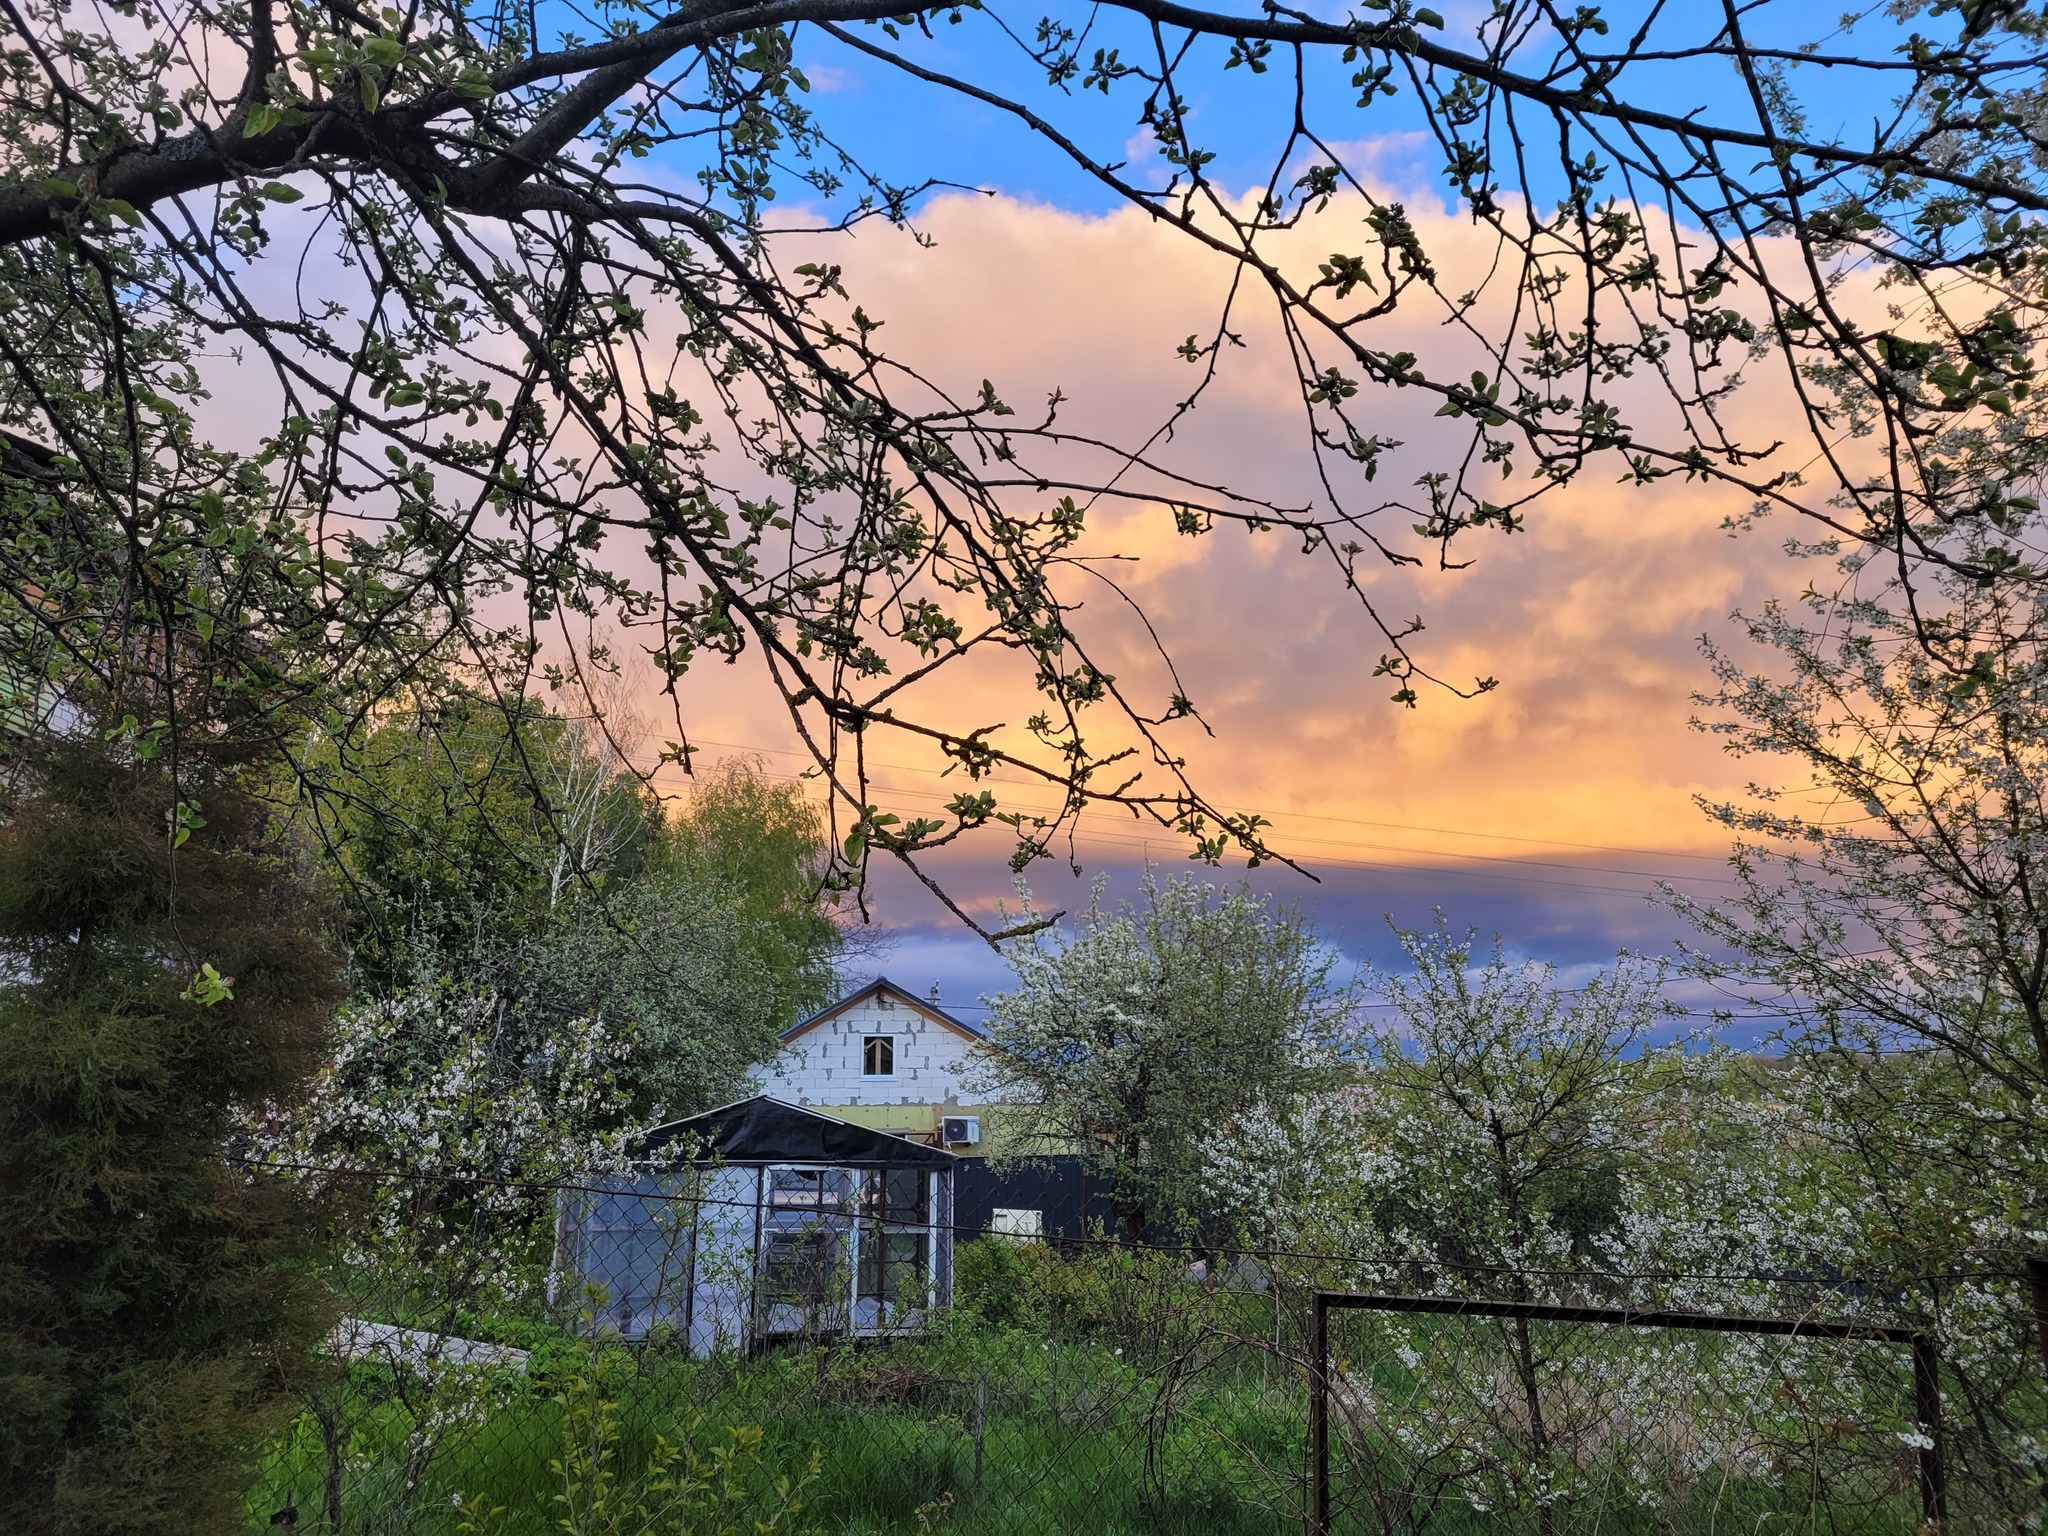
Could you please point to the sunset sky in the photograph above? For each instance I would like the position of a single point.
(1544, 811)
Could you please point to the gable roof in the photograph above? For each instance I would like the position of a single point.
(911, 1000)
(768, 1130)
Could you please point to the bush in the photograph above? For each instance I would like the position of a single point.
(1105, 1292)
(693, 1479)
(995, 1281)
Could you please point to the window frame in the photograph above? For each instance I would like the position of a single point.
(896, 1254)
(867, 1054)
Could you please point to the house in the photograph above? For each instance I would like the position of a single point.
(886, 1058)
(761, 1222)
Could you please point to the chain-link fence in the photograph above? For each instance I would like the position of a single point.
(1456, 1415)
(544, 1362)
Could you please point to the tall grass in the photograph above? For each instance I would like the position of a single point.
(1067, 1436)
(1099, 1399)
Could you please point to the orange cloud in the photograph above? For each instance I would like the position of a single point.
(1589, 619)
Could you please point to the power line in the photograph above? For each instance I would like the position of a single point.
(1142, 840)
(1087, 835)
(1350, 821)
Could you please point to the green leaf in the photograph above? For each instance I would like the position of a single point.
(184, 819)
(280, 192)
(262, 118)
(1428, 18)
(209, 987)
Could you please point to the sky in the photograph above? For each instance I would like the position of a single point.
(1545, 812)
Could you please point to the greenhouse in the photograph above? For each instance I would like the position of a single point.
(760, 1222)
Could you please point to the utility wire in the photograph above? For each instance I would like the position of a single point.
(574, 1186)
(1125, 838)
(1351, 821)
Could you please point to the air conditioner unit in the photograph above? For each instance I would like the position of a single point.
(960, 1130)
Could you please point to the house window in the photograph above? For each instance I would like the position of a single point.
(878, 1056)
(799, 1266)
(893, 1196)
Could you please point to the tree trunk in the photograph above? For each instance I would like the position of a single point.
(1539, 1431)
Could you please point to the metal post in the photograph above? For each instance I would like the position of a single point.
(2037, 1287)
(1927, 1408)
(980, 1420)
(1319, 1416)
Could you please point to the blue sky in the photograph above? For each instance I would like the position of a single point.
(906, 131)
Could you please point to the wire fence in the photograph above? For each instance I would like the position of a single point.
(1454, 1414)
(828, 1354)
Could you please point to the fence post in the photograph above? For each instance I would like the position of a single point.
(1927, 1408)
(1319, 1416)
(980, 1419)
(2037, 1287)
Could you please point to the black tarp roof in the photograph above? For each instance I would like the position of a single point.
(765, 1130)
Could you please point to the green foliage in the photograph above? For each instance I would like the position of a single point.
(762, 846)
(514, 851)
(155, 1317)
(448, 823)
(995, 1281)
(685, 1487)
(1192, 1425)
(1105, 1291)
(1136, 1038)
(695, 958)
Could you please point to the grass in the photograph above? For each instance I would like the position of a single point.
(1071, 1443)
(1066, 1443)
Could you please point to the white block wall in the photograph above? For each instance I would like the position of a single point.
(822, 1066)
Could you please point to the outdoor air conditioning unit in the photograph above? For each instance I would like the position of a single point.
(960, 1130)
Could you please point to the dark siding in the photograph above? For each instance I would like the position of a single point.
(1073, 1204)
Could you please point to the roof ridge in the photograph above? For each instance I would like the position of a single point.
(883, 983)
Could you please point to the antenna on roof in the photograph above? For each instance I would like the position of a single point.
(934, 996)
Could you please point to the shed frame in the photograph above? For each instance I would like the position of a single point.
(736, 1176)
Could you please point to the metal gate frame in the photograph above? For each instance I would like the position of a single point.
(1931, 1475)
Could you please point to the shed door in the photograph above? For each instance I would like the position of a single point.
(806, 1254)
(895, 1245)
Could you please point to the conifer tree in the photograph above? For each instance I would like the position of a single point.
(160, 964)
